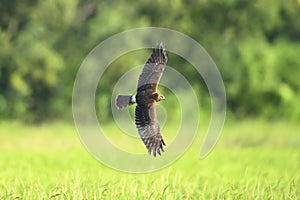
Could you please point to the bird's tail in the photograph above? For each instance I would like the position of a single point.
(123, 101)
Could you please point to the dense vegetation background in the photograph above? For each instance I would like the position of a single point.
(255, 44)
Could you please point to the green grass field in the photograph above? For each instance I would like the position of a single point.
(252, 160)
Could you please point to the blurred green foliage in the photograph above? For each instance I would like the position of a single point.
(255, 44)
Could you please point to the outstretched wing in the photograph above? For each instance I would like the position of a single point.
(153, 69)
(148, 128)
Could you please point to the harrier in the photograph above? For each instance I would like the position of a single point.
(146, 97)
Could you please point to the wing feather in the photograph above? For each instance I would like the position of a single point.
(148, 128)
(145, 112)
(154, 68)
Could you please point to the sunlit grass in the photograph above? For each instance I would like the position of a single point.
(253, 159)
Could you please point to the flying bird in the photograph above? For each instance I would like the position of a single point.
(146, 97)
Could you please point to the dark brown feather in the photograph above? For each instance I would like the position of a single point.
(145, 112)
(154, 68)
(148, 128)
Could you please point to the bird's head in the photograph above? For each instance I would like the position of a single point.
(160, 97)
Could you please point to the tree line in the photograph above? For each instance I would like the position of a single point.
(255, 44)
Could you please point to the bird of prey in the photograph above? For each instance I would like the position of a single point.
(146, 97)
